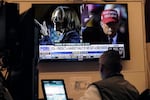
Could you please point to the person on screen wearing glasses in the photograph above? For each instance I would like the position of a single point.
(113, 86)
(65, 23)
(110, 21)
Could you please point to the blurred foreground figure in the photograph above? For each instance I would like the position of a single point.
(4, 93)
(113, 86)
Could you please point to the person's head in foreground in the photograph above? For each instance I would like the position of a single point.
(113, 86)
(110, 63)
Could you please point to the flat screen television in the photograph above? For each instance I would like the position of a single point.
(80, 32)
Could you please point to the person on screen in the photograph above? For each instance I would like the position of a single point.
(91, 30)
(113, 86)
(66, 22)
(110, 22)
(66, 25)
(122, 12)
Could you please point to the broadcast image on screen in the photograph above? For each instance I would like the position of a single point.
(78, 32)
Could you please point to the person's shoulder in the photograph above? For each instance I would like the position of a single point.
(91, 93)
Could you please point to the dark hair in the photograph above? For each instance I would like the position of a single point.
(111, 60)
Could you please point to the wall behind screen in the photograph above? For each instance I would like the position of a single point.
(85, 73)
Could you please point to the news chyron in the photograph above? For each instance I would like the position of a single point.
(78, 52)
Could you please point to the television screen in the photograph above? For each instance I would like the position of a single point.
(80, 32)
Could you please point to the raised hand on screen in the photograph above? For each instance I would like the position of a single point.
(43, 27)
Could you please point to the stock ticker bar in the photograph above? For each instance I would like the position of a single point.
(79, 52)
